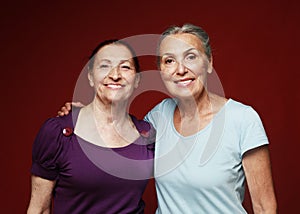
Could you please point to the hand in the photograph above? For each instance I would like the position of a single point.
(68, 107)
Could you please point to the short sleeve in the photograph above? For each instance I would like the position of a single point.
(151, 138)
(161, 112)
(146, 130)
(253, 132)
(46, 150)
(149, 117)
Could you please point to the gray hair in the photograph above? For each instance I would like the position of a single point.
(191, 29)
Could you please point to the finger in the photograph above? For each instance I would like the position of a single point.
(77, 104)
(68, 106)
(65, 110)
(60, 113)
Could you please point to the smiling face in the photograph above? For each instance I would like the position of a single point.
(113, 75)
(184, 65)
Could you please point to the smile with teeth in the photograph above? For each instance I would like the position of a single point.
(184, 82)
(113, 86)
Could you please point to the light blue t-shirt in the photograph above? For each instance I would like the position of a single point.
(203, 173)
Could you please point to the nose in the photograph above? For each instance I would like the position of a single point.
(181, 69)
(114, 73)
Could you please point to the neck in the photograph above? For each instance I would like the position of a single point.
(110, 113)
(191, 106)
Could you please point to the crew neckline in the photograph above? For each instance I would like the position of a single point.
(202, 130)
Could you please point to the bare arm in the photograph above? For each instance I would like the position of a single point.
(41, 195)
(257, 168)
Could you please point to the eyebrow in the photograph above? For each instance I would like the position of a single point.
(125, 60)
(105, 60)
(188, 50)
(109, 61)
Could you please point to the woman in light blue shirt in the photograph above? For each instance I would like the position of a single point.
(206, 145)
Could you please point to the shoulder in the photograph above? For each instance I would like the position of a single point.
(161, 112)
(167, 103)
(56, 125)
(165, 106)
(239, 110)
(144, 128)
(234, 105)
(141, 125)
(53, 131)
(245, 117)
(250, 126)
(49, 146)
(241, 116)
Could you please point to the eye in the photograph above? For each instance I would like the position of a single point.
(169, 61)
(103, 66)
(190, 57)
(125, 67)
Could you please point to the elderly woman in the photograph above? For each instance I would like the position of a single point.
(98, 159)
(207, 144)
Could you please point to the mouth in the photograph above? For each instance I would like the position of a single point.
(113, 86)
(184, 82)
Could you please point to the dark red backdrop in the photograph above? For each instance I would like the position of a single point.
(44, 46)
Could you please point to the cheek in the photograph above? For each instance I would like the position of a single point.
(166, 72)
(168, 68)
(199, 68)
(98, 77)
(130, 77)
(165, 75)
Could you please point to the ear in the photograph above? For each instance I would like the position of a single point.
(210, 66)
(91, 79)
(137, 80)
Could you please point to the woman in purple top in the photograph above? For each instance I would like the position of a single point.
(99, 158)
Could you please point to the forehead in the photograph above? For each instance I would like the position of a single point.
(179, 43)
(114, 52)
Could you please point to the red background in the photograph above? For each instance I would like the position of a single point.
(44, 46)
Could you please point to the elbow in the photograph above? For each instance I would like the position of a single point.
(266, 208)
(36, 210)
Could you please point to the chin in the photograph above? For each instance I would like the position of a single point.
(182, 95)
(118, 99)
(180, 92)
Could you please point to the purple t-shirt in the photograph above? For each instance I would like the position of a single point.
(90, 178)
